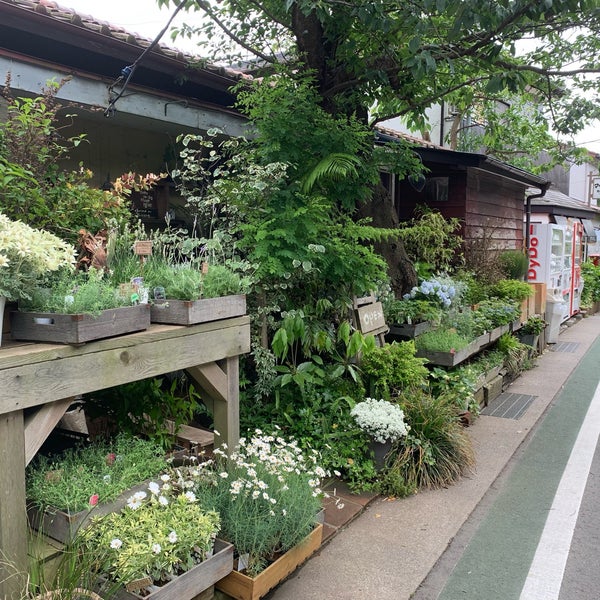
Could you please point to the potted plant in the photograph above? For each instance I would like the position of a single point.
(446, 346)
(384, 422)
(78, 308)
(531, 329)
(410, 317)
(267, 493)
(161, 545)
(64, 492)
(186, 295)
(26, 255)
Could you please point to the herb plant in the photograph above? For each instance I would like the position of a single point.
(146, 406)
(83, 293)
(441, 340)
(84, 476)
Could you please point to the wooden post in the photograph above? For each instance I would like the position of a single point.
(13, 519)
(220, 381)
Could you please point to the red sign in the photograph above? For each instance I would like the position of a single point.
(534, 256)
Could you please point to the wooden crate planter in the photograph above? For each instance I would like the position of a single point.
(242, 587)
(185, 312)
(62, 525)
(190, 584)
(451, 359)
(409, 330)
(78, 328)
(498, 331)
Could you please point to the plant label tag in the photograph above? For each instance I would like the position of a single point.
(126, 289)
(242, 562)
(204, 268)
(143, 247)
(138, 584)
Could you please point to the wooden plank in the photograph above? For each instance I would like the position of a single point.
(20, 353)
(40, 424)
(13, 521)
(182, 312)
(78, 328)
(188, 585)
(99, 365)
(242, 587)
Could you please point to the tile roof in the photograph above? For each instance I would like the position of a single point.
(69, 16)
(394, 133)
(557, 200)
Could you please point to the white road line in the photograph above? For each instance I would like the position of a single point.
(547, 569)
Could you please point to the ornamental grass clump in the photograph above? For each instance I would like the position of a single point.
(85, 476)
(436, 452)
(161, 533)
(268, 495)
(380, 419)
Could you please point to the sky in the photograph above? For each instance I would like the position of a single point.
(145, 18)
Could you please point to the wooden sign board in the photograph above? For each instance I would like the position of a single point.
(143, 247)
(370, 318)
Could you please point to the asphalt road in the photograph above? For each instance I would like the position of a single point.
(536, 535)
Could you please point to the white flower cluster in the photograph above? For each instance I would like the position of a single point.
(26, 253)
(381, 419)
(279, 458)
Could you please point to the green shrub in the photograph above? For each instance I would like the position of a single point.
(437, 451)
(392, 368)
(514, 263)
(591, 289)
(516, 354)
(511, 289)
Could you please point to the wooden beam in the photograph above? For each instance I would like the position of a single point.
(211, 378)
(13, 519)
(40, 424)
(104, 364)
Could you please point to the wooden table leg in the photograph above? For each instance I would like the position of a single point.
(13, 519)
(226, 413)
(221, 382)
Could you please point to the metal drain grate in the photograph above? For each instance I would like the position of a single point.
(509, 406)
(565, 347)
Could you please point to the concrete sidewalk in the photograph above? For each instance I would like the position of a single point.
(389, 549)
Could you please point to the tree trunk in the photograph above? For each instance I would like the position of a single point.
(381, 212)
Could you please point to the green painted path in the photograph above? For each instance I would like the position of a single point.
(495, 564)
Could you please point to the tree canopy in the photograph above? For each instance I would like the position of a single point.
(376, 59)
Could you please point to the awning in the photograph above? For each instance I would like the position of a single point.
(588, 231)
(560, 220)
